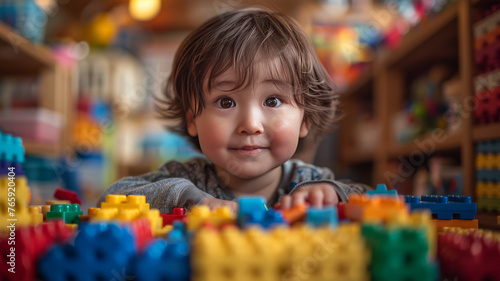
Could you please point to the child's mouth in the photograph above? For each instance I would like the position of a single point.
(248, 150)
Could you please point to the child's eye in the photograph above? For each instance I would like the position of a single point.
(272, 102)
(226, 103)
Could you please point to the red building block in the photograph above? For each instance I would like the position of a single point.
(471, 256)
(31, 244)
(64, 194)
(178, 214)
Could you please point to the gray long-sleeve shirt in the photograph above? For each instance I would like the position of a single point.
(186, 184)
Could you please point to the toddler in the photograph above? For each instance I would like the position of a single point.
(245, 87)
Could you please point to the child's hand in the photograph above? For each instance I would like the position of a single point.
(318, 195)
(214, 203)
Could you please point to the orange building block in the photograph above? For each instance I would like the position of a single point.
(374, 209)
(440, 224)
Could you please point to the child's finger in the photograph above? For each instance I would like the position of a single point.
(315, 198)
(299, 198)
(286, 202)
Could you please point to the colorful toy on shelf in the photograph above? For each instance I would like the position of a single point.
(488, 175)
(382, 191)
(444, 207)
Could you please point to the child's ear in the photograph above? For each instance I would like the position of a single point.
(304, 129)
(191, 125)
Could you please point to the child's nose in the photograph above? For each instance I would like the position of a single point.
(251, 123)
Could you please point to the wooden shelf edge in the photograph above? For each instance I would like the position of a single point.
(486, 132)
(422, 32)
(38, 53)
(428, 145)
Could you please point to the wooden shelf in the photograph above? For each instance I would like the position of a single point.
(488, 220)
(427, 40)
(19, 56)
(486, 132)
(353, 156)
(448, 141)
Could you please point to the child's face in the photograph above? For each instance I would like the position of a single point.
(251, 131)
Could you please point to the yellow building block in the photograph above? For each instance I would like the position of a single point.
(202, 214)
(156, 222)
(36, 214)
(374, 209)
(125, 202)
(299, 253)
(488, 189)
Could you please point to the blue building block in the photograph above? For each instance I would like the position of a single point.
(248, 206)
(4, 168)
(444, 207)
(101, 251)
(11, 148)
(322, 217)
(266, 219)
(382, 191)
(165, 259)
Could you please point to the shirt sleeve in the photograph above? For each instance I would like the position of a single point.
(163, 189)
(306, 175)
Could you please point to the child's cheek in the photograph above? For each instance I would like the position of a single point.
(285, 134)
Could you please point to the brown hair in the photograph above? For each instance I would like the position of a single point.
(235, 39)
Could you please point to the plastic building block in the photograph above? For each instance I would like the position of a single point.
(70, 213)
(488, 204)
(268, 219)
(248, 206)
(165, 259)
(322, 217)
(377, 209)
(31, 243)
(279, 254)
(64, 194)
(469, 256)
(101, 251)
(441, 224)
(125, 202)
(444, 207)
(382, 191)
(295, 214)
(399, 253)
(177, 214)
(57, 202)
(202, 214)
(11, 148)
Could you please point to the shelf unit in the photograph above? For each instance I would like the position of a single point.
(445, 37)
(18, 56)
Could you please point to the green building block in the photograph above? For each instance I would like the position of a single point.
(70, 213)
(399, 253)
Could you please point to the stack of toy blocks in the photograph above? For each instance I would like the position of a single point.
(447, 211)
(472, 255)
(487, 47)
(14, 191)
(300, 253)
(402, 245)
(488, 175)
